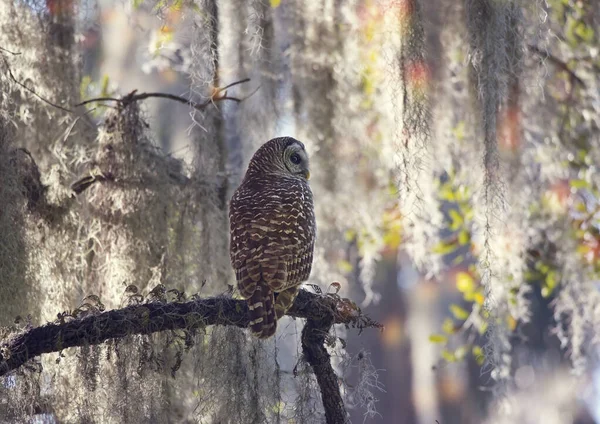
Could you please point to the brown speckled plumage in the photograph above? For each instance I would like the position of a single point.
(272, 231)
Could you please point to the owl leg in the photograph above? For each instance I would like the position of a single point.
(262, 312)
(284, 301)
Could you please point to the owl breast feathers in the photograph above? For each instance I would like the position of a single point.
(272, 229)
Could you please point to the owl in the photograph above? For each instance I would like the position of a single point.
(272, 231)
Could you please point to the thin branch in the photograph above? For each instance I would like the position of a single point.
(19, 83)
(133, 97)
(8, 51)
(233, 84)
(98, 99)
(556, 62)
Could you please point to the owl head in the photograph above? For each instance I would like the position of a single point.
(282, 155)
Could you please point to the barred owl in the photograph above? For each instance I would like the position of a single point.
(272, 229)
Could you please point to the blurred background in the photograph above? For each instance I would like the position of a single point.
(454, 150)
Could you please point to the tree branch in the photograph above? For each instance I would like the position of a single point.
(313, 346)
(31, 90)
(218, 95)
(92, 327)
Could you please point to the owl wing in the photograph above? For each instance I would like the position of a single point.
(260, 246)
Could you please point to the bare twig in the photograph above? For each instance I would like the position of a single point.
(19, 83)
(133, 97)
(556, 62)
(8, 51)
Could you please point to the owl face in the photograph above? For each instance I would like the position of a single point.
(295, 159)
(282, 155)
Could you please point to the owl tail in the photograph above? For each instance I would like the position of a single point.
(262, 312)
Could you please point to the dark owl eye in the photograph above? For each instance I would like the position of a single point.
(295, 158)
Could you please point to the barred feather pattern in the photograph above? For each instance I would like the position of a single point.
(273, 232)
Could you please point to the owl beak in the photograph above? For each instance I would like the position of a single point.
(307, 174)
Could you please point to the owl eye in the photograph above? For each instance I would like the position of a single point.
(295, 158)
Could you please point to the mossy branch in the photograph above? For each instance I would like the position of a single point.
(93, 327)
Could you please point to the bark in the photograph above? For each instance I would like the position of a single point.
(315, 353)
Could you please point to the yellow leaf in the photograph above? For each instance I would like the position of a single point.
(479, 298)
(459, 131)
(438, 338)
(448, 356)
(447, 194)
(464, 282)
(458, 312)
(478, 355)
(392, 238)
(345, 266)
(443, 249)
(275, 3)
(456, 220)
(511, 322)
(278, 407)
(463, 237)
(448, 326)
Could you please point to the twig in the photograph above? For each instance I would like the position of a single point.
(19, 83)
(251, 94)
(8, 51)
(556, 62)
(133, 97)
